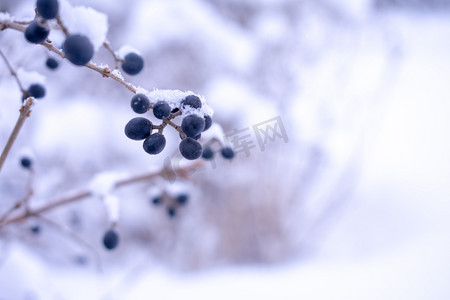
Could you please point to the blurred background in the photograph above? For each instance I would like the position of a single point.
(339, 115)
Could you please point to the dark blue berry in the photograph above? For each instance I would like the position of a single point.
(26, 162)
(48, 9)
(208, 122)
(140, 103)
(138, 128)
(192, 125)
(110, 239)
(52, 63)
(132, 63)
(182, 199)
(156, 200)
(192, 101)
(78, 49)
(36, 33)
(81, 260)
(190, 148)
(36, 90)
(208, 153)
(161, 110)
(227, 153)
(35, 229)
(155, 143)
(171, 212)
(197, 137)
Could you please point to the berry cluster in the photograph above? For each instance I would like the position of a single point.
(171, 202)
(190, 130)
(77, 48)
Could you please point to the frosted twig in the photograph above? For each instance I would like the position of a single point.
(14, 74)
(104, 71)
(25, 111)
(83, 194)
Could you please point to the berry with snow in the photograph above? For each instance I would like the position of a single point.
(138, 128)
(227, 152)
(36, 90)
(132, 63)
(155, 143)
(161, 110)
(192, 101)
(110, 239)
(36, 32)
(190, 148)
(140, 103)
(78, 49)
(48, 9)
(208, 153)
(192, 125)
(52, 63)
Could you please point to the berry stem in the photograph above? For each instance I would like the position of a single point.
(25, 111)
(13, 73)
(108, 47)
(62, 26)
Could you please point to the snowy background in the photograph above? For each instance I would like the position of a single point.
(354, 206)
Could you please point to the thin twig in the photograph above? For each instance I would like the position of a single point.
(13, 73)
(62, 26)
(25, 111)
(83, 194)
(108, 47)
(75, 236)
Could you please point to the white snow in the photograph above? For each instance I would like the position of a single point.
(126, 49)
(4, 17)
(112, 207)
(86, 21)
(103, 183)
(28, 78)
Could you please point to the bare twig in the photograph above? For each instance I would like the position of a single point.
(108, 47)
(83, 194)
(75, 236)
(25, 111)
(13, 73)
(62, 26)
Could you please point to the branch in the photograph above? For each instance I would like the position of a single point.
(76, 237)
(181, 171)
(105, 71)
(14, 74)
(108, 47)
(25, 111)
